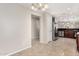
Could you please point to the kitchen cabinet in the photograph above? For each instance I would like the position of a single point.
(67, 32)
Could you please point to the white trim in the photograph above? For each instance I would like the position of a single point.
(17, 51)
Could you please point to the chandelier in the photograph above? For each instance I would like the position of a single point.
(39, 6)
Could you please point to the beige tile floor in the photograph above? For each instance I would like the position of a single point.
(60, 47)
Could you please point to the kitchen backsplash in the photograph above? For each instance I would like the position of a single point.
(67, 22)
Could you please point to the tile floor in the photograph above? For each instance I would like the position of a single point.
(60, 47)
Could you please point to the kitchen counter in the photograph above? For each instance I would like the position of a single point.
(67, 32)
(68, 28)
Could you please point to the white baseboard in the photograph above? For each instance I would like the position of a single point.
(17, 51)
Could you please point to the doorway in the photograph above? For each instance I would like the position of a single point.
(35, 28)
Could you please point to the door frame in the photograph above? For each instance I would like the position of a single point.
(31, 24)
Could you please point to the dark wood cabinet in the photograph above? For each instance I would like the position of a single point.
(69, 33)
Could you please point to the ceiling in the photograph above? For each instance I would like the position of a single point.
(59, 8)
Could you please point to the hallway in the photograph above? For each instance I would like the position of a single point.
(60, 47)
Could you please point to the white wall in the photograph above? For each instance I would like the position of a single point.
(16, 30)
(14, 20)
(44, 29)
(47, 28)
(28, 36)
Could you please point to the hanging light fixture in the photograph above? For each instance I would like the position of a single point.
(39, 6)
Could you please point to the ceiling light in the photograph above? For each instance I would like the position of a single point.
(68, 9)
(39, 6)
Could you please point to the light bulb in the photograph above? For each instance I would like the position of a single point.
(68, 8)
(40, 4)
(46, 6)
(33, 8)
